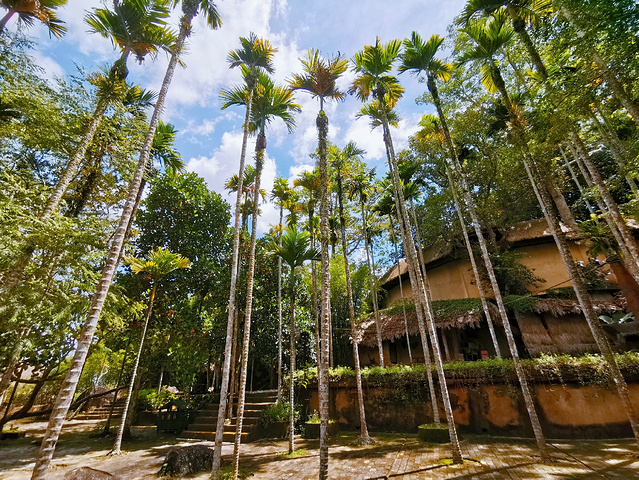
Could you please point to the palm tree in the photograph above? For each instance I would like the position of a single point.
(190, 9)
(489, 38)
(281, 194)
(339, 159)
(319, 79)
(373, 66)
(159, 264)
(270, 101)
(255, 56)
(294, 250)
(29, 12)
(133, 26)
(359, 187)
(378, 113)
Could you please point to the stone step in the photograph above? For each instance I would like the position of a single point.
(228, 437)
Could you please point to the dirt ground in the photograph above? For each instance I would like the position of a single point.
(396, 456)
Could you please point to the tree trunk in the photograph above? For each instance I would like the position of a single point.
(519, 26)
(279, 313)
(583, 295)
(373, 284)
(419, 288)
(116, 450)
(5, 19)
(259, 155)
(224, 387)
(364, 437)
(561, 205)
(65, 396)
(401, 286)
(291, 381)
(471, 255)
(5, 416)
(107, 426)
(323, 380)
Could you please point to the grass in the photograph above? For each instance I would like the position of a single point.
(226, 473)
(301, 452)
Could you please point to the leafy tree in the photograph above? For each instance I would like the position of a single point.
(29, 12)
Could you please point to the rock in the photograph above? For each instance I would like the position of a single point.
(187, 461)
(88, 473)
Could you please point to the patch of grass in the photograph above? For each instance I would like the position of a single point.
(226, 473)
(302, 452)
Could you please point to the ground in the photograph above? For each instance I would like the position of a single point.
(396, 456)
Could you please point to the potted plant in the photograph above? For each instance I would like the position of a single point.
(312, 426)
(274, 420)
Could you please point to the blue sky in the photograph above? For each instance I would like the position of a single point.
(209, 138)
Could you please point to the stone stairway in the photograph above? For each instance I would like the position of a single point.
(203, 427)
(102, 413)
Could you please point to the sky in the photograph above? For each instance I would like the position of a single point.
(209, 139)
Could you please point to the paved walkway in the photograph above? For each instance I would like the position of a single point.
(393, 456)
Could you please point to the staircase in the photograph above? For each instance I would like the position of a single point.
(204, 425)
(102, 413)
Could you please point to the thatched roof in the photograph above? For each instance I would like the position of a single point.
(534, 229)
(448, 314)
(562, 306)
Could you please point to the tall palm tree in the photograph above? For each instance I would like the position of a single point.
(419, 56)
(158, 265)
(29, 12)
(254, 56)
(294, 250)
(190, 9)
(319, 79)
(527, 12)
(360, 186)
(373, 66)
(489, 37)
(339, 159)
(379, 113)
(282, 195)
(138, 26)
(270, 101)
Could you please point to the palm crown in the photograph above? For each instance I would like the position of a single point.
(419, 57)
(320, 76)
(29, 12)
(373, 65)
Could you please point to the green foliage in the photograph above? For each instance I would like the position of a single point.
(513, 277)
(150, 399)
(279, 412)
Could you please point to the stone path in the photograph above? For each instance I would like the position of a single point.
(394, 456)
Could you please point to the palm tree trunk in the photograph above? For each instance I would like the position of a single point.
(291, 388)
(323, 380)
(401, 286)
(419, 288)
(118, 440)
(5, 19)
(107, 426)
(582, 293)
(65, 396)
(314, 283)
(224, 387)
(259, 155)
(617, 223)
(364, 437)
(576, 181)
(279, 313)
(519, 26)
(471, 256)
(371, 280)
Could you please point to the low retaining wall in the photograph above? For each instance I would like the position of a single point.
(565, 411)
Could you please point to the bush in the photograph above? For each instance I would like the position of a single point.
(149, 399)
(431, 432)
(278, 412)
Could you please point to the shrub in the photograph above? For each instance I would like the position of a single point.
(278, 412)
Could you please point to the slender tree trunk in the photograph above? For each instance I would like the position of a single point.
(419, 288)
(314, 283)
(65, 396)
(583, 295)
(5, 416)
(519, 26)
(118, 439)
(471, 256)
(576, 180)
(279, 313)
(371, 280)
(224, 387)
(323, 380)
(5, 19)
(401, 286)
(259, 155)
(364, 437)
(291, 380)
(107, 426)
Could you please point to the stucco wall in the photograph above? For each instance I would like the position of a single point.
(565, 411)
